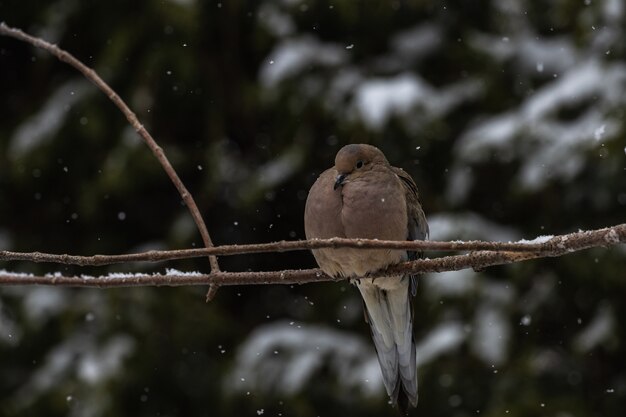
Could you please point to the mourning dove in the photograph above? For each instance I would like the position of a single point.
(363, 196)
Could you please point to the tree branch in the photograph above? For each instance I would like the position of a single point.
(555, 246)
(546, 245)
(92, 76)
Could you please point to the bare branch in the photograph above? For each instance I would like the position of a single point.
(92, 76)
(556, 246)
(545, 245)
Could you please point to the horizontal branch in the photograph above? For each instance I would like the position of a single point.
(544, 245)
(555, 246)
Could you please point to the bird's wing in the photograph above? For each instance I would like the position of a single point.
(417, 225)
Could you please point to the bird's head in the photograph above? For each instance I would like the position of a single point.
(353, 161)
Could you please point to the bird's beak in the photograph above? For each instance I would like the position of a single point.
(339, 180)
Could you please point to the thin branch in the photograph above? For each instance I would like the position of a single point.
(557, 246)
(92, 76)
(544, 245)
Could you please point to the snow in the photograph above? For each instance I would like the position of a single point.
(103, 362)
(373, 100)
(497, 293)
(582, 82)
(301, 352)
(117, 275)
(174, 272)
(342, 85)
(509, 135)
(460, 182)
(418, 41)
(273, 173)
(278, 23)
(284, 358)
(378, 99)
(543, 287)
(613, 10)
(586, 80)
(15, 274)
(599, 132)
(10, 332)
(598, 332)
(44, 124)
(94, 361)
(468, 226)
(56, 364)
(42, 303)
(538, 240)
(295, 55)
(450, 283)
(46, 300)
(491, 334)
(442, 339)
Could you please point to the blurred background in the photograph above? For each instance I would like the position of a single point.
(508, 114)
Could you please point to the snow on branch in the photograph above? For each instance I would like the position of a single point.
(482, 255)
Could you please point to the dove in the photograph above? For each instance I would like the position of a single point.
(363, 196)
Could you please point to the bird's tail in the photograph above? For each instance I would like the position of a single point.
(389, 315)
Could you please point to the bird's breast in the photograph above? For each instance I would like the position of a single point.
(358, 209)
(374, 212)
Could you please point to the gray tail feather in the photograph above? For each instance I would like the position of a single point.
(389, 315)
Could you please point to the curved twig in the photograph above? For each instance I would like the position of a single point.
(92, 76)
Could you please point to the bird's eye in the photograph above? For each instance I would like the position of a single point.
(359, 164)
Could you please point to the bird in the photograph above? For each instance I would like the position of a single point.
(363, 196)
